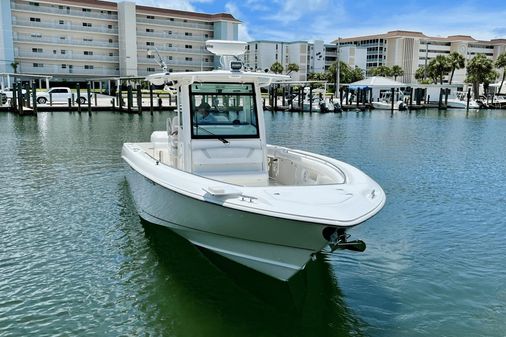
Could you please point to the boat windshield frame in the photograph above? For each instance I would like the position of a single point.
(228, 120)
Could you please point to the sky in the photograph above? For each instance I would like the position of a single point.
(296, 20)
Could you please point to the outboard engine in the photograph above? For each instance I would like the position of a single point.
(402, 106)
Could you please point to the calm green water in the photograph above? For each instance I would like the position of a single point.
(75, 260)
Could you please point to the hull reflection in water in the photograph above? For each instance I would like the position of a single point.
(310, 304)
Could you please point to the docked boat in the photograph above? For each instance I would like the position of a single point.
(459, 101)
(385, 102)
(212, 178)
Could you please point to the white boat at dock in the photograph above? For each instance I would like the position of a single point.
(459, 101)
(385, 101)
(212, 178)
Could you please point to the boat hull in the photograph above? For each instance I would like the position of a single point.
(274, 246)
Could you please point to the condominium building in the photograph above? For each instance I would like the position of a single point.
(311, 57)
(411, 50)
(80, 39)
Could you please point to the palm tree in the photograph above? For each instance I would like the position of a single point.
(291, 68)
(381, 71)
(501, 63)
(344, 72)
(277, 68)
(439, 67)
(14, 66)
(480, 69)
(397, 71)
(456, 61)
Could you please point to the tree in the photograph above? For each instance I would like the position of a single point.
(455, 61)
(344, 72)
(277, 68)
(397, 71)
(292, 67)
(356, 74)
(501, 63)
(381, 71)
(14, 66)
(439, 67)
(480, 69)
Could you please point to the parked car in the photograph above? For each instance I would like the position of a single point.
(8, 92)
(57, 94)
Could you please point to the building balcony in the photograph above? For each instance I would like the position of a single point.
(67, 42)
(175, 24)
(164, 35)
(194, 62)
(66, 11)
(165, 49)
(67, 56)
(54, 70)
(66, 26)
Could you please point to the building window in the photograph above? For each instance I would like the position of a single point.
(35, 19)
(33, 3)
(87, 39)
(38, 65)
(37, 36)
(171, 19)
(111, 54)
(109, 26)
(169, 45)
(150, 43)
(188, 46)
(207, 35)
(188, 59)
(151, 17)
(169, 32)
(63, 38)
(188, 34)
(88, 52)
(88, 66)
(86, 10)
(64, 66)
(36, 50)
(150, 69)
(87, 24)
(170, 58)
(149, 30)
(61, 22)
(63, 52)
(150, 56)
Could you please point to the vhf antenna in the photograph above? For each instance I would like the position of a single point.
(160, 60)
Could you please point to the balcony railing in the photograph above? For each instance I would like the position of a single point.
(164, 35)
(195, 63)
(57, 70)
(57, 40)
(175, 24)
(67, 56)
(71, 11)
(65, 26)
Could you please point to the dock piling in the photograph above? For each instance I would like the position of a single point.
(78, 87)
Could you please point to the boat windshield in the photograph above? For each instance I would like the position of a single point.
(223, 110)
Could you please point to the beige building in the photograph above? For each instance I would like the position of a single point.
(311, 57)
(411, 50)
(92, 38)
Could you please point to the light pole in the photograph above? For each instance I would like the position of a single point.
(338, 65)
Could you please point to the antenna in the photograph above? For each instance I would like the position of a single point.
(160, 61)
